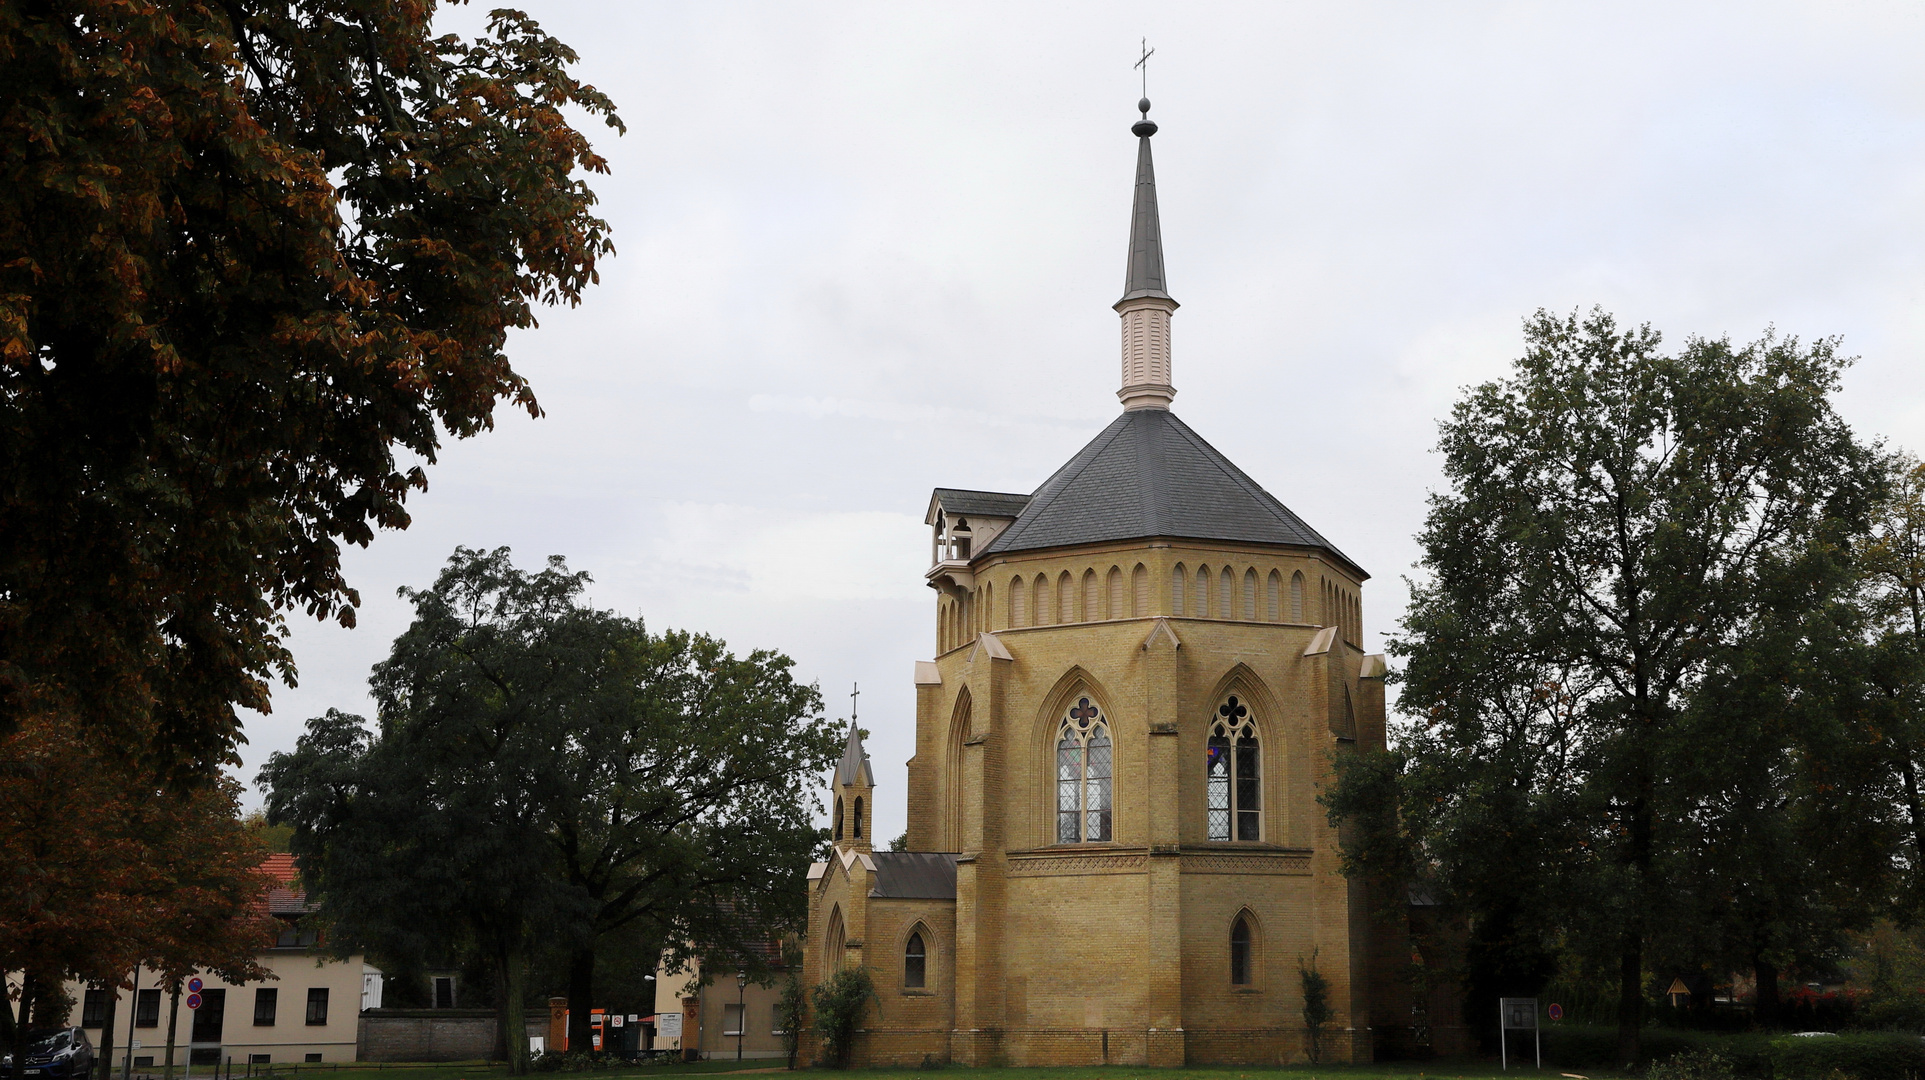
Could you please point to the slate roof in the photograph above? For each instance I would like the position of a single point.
(854, 766)
(1144, 274)
(960, 503)
(1148, 474)
(914, 875)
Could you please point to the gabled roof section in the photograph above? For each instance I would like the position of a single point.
(915, 875)
(854, 766)
(962, 503)
(1148, 474)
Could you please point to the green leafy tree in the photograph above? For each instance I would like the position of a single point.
(1618, 522)
(247, 250)
(1892, 558)
(547, 772)
(840, 1002)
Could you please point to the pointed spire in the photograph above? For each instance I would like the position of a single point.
(1146, 305)
(854, 766)
(1144, 275)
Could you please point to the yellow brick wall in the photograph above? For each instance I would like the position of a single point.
(1119, 952)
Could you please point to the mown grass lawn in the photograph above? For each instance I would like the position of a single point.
(1454, 1069)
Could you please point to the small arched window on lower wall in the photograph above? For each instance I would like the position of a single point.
(915, 961)
(1243, 952)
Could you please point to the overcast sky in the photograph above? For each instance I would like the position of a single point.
(867, 250)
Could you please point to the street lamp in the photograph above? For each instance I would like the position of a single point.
(741, 1013)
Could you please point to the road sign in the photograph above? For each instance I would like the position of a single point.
(1517, 1014)
(193, 1001)
(615, 1020)
(1556, 1011)
(194, 985)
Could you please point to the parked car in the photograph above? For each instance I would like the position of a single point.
(54, 1055)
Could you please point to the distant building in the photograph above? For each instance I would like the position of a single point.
(723, 1017)
(309, 1012)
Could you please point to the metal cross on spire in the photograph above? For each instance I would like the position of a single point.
(855, 690)
(1144, 63)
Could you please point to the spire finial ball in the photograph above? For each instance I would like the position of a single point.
(1143, 106)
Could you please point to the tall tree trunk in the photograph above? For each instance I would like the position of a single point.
(29, 987)
(1630, 1000)
(106, 1058)
(6, 1017)
(173, 1025)
(581, 996)
(1909, 770)
(1765, 1007)
(511, 1013)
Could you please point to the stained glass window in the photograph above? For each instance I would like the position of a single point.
(1083, 776)
(1233, 775)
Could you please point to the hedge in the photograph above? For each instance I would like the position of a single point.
(1866, 1056)
(1595, 1046)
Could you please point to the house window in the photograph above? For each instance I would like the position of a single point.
(312, 1059)
(1241, 954)
(266, 1003)
(143, 1061)
(915, 963)
(1233, 785)
(147, 1009)
(731, 1019)
(93, 1008)
(317, 1006)
(260, 1059)
(1083, 754)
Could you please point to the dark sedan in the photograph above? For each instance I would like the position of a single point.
(55, 1055)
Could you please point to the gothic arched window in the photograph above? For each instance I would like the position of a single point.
(1296, 597)
(1083, 753)
(1242, 958)
(1233, 784)
(915, 963)
(838, 829)
(855, 827)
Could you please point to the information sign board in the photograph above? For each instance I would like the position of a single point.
(668, 1025)
(1517, 1014)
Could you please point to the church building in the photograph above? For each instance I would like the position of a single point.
(1144, 671)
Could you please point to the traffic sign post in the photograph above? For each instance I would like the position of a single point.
(1517, 1014)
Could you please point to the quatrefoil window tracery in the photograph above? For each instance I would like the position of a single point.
(1233, 775)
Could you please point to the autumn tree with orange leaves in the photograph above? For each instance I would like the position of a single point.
(248, 250)
(106, 869)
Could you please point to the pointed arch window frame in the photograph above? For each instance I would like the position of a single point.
(1233, 773)
(1085, 775)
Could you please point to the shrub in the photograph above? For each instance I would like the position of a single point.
(1595, 1046)
(576, 1061)
(1866, 1056)
(1316, 1003)
(1693, 1065)
(839, 1004)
